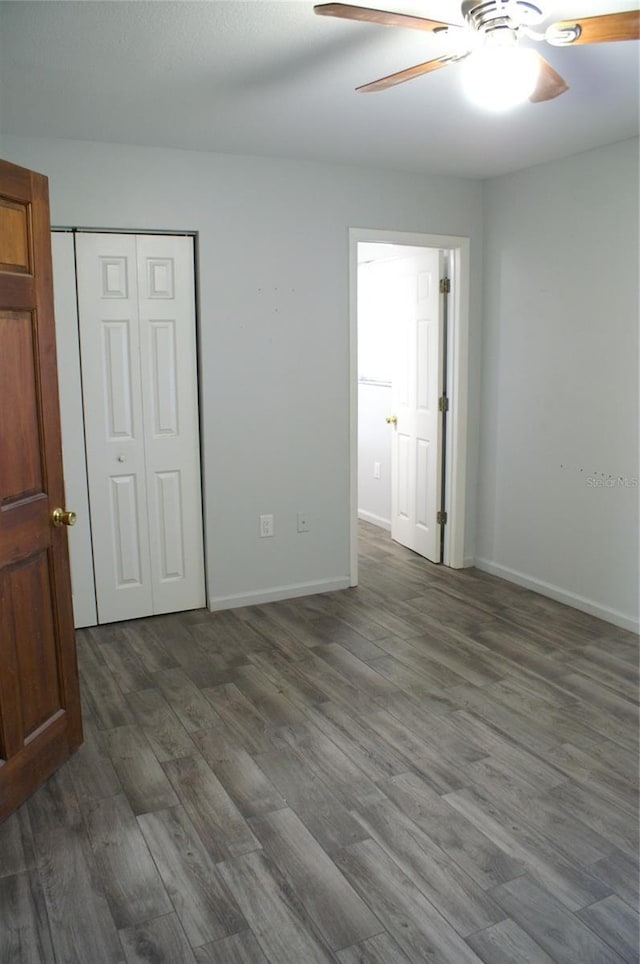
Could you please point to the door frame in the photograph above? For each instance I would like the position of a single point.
(455, 441)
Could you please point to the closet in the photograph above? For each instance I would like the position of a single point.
(140, 461)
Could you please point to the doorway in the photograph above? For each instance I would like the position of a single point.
(402, 311)
(395, 247)
(127, 344)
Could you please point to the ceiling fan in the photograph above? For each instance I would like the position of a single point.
(490, 43)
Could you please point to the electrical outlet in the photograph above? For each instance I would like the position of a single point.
(266, 526)
(376, 470)
(303, 522)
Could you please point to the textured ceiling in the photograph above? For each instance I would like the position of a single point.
(271, 78)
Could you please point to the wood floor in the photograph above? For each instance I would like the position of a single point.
(437, 766)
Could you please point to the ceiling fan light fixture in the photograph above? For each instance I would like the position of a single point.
(500, 77)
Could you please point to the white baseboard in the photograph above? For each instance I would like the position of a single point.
(560, 595)
(276, 593)
(375, 520)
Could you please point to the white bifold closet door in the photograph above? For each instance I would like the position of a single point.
(136, 307)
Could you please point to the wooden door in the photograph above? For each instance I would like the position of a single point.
(40, 721)
(416, 450)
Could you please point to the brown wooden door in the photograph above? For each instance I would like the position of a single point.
(40, 722)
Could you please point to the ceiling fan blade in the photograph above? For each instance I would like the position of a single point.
(409, 74)
(595, 30)
(550, 83)
(346, 12)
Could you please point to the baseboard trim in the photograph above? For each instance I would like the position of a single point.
(560, 595)
(276, 593)
(375, 520)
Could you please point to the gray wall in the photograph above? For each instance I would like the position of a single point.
(273, 243)
(560, 355)
(558, 496)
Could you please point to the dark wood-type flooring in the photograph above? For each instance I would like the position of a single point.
(437, 766)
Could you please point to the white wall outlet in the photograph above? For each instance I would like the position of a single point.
(303, 522)
(266, 526)
(376, 470)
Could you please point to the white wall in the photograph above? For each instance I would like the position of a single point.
(273, 268)
(374, 445)
(560, 377)
(375, 371)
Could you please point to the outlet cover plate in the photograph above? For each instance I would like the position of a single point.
(266, 526)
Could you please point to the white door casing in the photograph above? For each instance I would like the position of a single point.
(416, 451)
(137, 331)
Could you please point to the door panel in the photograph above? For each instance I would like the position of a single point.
(117, 376)
(114, 426)
(417, 385)
(14, 230)
(20, 434)
(170, 408)
(424, 483)
(164, 378)
(168, 502)
(40, 721)
(126, 532)
(401, 476)
(34, 625)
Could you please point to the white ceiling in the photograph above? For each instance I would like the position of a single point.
(271, 78)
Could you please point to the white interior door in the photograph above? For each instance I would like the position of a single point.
(166, 298)
(137, 332)
(416, 451)
(71, 420)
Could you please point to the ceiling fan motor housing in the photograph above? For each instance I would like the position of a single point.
(491, 15)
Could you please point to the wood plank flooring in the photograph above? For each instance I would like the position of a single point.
(435, 767)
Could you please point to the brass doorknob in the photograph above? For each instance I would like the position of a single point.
(392, 419)
(63, 517)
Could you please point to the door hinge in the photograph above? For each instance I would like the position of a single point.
(441, 518)
(445, 286)
(443, 404)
